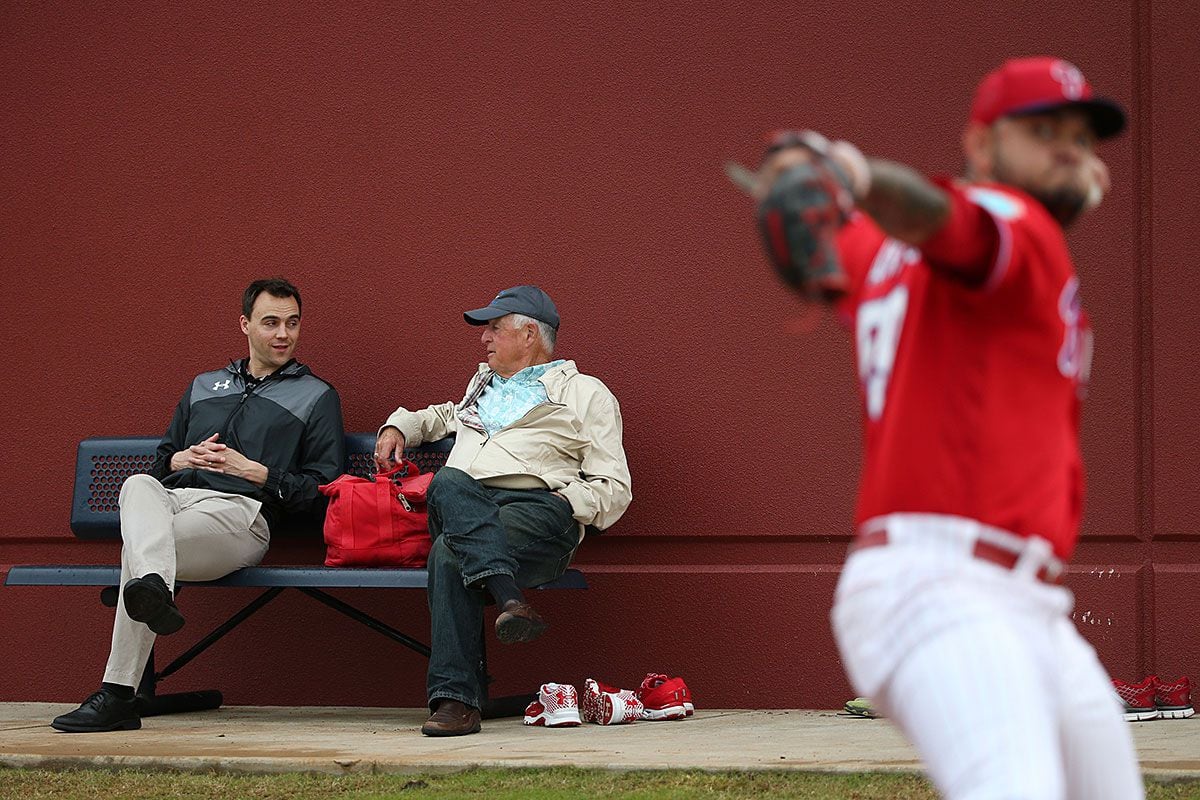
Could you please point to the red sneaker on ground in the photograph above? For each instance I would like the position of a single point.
(665, 698)
(557, 706)
(608, 705)
(1173, 698)
(1138, 699)
(619, 709)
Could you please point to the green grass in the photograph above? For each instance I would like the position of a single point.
(494, 784)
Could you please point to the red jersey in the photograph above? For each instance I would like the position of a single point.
(971, 389)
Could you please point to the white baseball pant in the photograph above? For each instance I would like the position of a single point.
(981, 667)
(184, 534)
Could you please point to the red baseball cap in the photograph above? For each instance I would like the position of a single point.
(1038, 84)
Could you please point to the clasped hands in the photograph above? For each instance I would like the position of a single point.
(212, 456)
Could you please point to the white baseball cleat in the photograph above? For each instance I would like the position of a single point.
(556, 706)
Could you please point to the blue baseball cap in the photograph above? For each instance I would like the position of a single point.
(528, 300)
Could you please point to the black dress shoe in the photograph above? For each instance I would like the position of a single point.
(518, 622)
(148, 600)
(103, 711)
(452, 718)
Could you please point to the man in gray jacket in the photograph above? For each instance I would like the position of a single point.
(537, 457)
(247, 447)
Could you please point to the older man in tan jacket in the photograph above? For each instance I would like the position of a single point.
(537, 457)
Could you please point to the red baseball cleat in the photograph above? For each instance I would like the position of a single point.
(608, 705)
(665, 698)
(1173, 699)
(557, 706)
(1138, 699)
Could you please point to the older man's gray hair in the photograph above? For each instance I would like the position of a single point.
(548, 334)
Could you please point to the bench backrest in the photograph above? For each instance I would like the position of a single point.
(103, 464)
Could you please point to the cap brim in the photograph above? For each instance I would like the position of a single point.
(1107, 116)
(482, 316)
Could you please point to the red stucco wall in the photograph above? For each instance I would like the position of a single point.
(404, 163)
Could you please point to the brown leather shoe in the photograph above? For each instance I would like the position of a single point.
(518, 622)
(452, 718)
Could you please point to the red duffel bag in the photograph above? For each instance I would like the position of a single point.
(378, 523)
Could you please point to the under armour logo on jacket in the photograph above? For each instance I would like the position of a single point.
(221, 384)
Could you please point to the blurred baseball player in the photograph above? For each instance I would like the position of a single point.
(972, 351)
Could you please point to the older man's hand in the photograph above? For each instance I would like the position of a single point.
(389, 448)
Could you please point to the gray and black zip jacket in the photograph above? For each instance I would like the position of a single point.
(290, 421)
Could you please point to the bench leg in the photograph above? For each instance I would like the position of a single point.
(225, 627)
(484, 676)
(512, 705)
(108, 597)
(145, 687)
(151, 704)
(366, 619)
(180, 702)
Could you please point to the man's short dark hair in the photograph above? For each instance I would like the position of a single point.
(276, 287)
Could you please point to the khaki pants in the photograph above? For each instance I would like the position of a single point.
(181, 534)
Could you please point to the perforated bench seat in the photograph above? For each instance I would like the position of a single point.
(103, 464)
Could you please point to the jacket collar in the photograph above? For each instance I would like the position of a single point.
(291, 369)
(554, 378)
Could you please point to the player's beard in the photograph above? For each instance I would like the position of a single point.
(1065, 203)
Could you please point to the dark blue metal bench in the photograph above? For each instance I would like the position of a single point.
(103, 464)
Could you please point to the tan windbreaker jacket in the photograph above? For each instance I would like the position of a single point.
(570, 444)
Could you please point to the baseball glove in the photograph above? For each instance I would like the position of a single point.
(801, 214)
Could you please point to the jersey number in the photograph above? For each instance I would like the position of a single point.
(878, 337)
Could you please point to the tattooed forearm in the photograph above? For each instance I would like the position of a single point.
(904, 203)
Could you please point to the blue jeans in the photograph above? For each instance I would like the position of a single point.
(479, 531)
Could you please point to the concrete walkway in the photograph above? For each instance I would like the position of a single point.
(346, 740)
